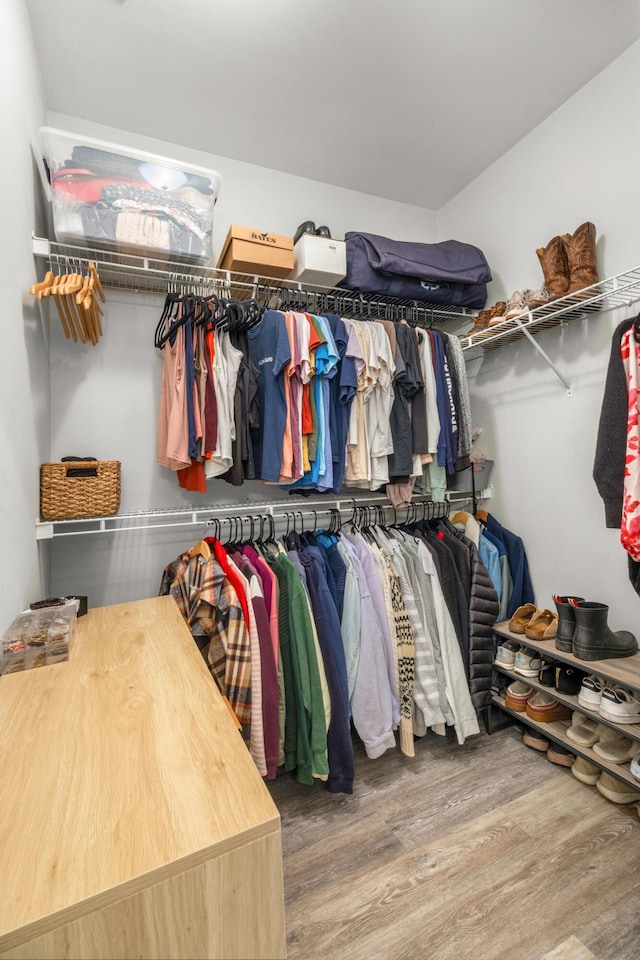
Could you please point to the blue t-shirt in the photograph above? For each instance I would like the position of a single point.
(270, 351)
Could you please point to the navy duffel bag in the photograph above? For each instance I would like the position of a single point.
(449, 272)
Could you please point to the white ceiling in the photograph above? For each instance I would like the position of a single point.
(408, 100)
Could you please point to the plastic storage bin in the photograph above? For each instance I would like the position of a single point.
(462, 481)
(319, 260)
(109, 196)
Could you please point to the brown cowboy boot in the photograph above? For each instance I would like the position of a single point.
(580, 249)
(555, 267)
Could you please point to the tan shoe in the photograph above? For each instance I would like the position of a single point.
(497, 313)
(545, 709)
(555, 267)
(517, 696)
(480, 322)
(537, 298)
(542, 626)
(616, 791)
(517, 304)
(580, 249)
(521, 617)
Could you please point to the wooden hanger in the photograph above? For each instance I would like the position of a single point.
(460, 517)
(75, 298)
(35, 288)
(482, 515)
(200, 549)
(96, 279)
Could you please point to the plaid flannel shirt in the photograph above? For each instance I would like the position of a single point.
(210, 605)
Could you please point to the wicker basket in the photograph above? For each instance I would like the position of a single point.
(73, 498)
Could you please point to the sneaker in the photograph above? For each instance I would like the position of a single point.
(615, 790)
(568, 679)
(585, 771)
(521, 617)
(590, 693)
(527, 662)
(615, 747)
(584, 730)
(544, 709)
(619, 705)
(547, 673)
(560, 755)
(517, 304)
(634, 766)
(506, 655)
(535, 740)
(517, 695)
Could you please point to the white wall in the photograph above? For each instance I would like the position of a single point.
(104, 399)
(24, 373)
(581, 164)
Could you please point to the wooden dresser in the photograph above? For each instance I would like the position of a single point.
(133, 822)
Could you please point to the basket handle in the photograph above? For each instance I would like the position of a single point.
(76, 468)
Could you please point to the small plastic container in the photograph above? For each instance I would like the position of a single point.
(38, 638)
(12, 663)
(462, 481)
(109, 196)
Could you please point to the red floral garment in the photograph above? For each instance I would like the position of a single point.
(630, 527)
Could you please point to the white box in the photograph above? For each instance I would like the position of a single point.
(108, 196)
(319, 260)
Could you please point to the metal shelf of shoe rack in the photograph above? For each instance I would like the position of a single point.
(624, 671)
(557, 731)
(621, 290)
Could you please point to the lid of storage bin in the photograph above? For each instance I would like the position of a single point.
(162, 173)
(275, 240)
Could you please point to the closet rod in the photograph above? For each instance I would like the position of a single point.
(190, 517)
(140, 274)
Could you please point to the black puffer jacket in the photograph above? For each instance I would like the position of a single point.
(483, 611)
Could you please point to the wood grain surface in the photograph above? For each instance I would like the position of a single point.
(570, 949)
(120, 769)
(482, 852)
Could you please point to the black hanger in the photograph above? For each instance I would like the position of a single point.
(159, 338)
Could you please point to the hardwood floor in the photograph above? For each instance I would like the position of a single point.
(482, 852)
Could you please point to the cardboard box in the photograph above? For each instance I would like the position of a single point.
(319, 260)
(250, 251)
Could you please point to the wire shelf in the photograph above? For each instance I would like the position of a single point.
(622, 290)
(194, 516)
(139, 274)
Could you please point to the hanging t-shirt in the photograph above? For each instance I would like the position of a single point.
(270, 352)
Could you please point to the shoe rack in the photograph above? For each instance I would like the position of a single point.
(624, 671)
(621, 290)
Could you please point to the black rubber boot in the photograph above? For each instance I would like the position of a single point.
(566, 622)
(594, 640)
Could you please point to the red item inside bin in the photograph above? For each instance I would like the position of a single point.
(83, 186)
